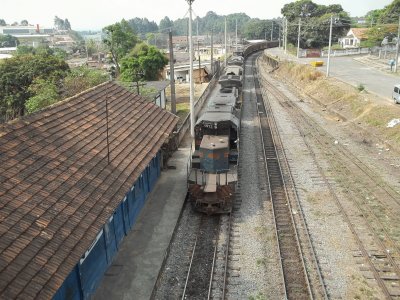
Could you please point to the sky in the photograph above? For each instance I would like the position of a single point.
(96, 14)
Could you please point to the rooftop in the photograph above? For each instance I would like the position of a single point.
(57, 188)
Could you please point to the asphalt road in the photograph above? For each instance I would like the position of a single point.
(353, 72)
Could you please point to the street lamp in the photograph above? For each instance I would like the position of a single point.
(191, 70)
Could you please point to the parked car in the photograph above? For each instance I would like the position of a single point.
(396, 93)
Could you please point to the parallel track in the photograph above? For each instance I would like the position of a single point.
(378, 249)
(296, 281)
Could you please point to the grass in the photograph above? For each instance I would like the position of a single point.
(353, 103)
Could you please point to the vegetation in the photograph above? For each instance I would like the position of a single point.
(19, 72)
(315, 22)
(8, 41)
(385, 24)
(120, 39)
(143, 59)
(61, 24)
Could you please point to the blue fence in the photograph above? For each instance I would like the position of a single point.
(87, 274)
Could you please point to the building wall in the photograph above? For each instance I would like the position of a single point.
(87, 274)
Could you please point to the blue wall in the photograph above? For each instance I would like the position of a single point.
(87, 274)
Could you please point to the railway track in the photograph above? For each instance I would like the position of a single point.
(201, 265)
(297, 281)
(373, 235)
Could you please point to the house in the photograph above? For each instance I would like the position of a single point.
(353, 38)
(181, 73)
(73, 180)
(159, 95)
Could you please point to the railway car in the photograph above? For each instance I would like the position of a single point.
(212, 168)
(212, 177)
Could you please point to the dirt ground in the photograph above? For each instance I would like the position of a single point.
(360, 122)
(345, 103)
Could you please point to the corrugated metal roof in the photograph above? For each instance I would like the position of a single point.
(57, 189)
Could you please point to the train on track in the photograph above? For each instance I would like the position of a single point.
(212, 170)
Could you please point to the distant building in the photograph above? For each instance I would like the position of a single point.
(353, 38)
(26, 31)
(181, 73)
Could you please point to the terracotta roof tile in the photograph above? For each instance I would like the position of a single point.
(57, 187)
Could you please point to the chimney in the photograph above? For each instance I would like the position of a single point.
(37, 28)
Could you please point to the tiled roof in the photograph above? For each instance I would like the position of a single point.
(57, 189)
(359, 33)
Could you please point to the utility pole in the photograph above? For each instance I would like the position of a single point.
(279, 35)
(172, 73)
(272, 30)
(298, 40)
(329, 48)
(236, 38)
(226, 52)
(191, 70)
(199, 72)
(286, 33)
(397, 48)
(212, 52)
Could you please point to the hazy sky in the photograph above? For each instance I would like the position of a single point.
(90, 14)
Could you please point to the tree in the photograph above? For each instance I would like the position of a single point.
(315, 22)
(3, 22)
(19, 72)
(80, 79)
(390, 13)
(373, 16)
(120, 39)
(142, 26)
(59, 23)
(143, 58)
(67, 25)
(165, 24)
(45, 93)
(24, 23)
(150, 37)
(8, 41)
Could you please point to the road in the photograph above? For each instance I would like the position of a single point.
(351, 71)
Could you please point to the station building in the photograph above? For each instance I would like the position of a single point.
(73, 179)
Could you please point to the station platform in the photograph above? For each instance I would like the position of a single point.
(135, 269)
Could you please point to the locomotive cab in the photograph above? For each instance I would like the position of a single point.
(212, 181)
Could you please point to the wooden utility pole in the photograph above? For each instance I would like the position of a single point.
(397, 48)
(172, 73)
(329, 48)
(212, 53)
(298, 39)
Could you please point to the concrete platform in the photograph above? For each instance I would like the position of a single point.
(134, 271)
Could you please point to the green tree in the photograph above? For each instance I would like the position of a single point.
(24, 23)
(3, 22)
(165, 24)
(45, 93)
(390, 13)
(8, 41)
(143, 58)
(120, 39)
(80, 79)
(315, 22)
(19, 72)
(373, 16)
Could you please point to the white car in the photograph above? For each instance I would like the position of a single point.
(396, 93)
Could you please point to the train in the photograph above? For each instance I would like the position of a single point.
(212, 169)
